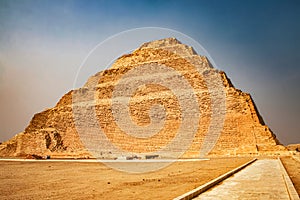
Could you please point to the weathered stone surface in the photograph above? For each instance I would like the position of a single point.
(293, 147)
(55, 131)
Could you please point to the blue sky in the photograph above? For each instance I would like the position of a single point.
(42, 44)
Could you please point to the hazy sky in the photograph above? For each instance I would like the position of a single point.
(42, 44)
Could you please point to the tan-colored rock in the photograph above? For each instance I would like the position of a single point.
(293, 147)
(229, 111)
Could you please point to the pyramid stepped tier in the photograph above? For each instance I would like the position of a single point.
(178, 106)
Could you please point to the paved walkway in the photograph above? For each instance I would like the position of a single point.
(261, 180)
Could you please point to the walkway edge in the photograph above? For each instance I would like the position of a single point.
(195, 192)
(288, 182)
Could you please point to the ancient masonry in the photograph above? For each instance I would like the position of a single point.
(54, 131)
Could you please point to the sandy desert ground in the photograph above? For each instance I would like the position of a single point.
(292, 167)
(77, 180)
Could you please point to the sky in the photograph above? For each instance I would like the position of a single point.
(43, 44)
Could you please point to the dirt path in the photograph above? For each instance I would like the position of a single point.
(58, 180)
(293, 169)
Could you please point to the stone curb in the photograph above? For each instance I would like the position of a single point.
(289, 184)
(195, 192)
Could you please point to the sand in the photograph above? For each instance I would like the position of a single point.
(75, 180)
(292, 167)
